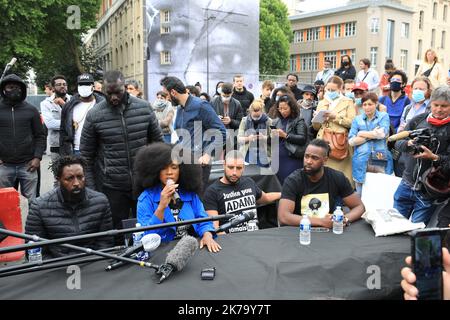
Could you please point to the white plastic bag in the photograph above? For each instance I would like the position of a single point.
(389, 221)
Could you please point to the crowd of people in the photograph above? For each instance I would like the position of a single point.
(116, 156)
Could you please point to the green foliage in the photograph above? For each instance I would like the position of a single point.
(37, 34)
(275, 36)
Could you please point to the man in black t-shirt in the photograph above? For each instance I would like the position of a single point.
(313, 191)
(234, 194)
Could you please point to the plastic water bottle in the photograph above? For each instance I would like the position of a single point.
(338, 221)
(305, 231)
(137, 237)
(35, 254)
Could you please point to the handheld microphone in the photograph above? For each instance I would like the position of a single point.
(399, 136)
(176, 196)
(237, 220)
(178, 257)
(150, 243)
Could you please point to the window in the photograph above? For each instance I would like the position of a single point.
(316, 33)
(309, 61)
(293, 63)
(405, 30)
(443, 40)
(327, 32)
(433, 37)
(350, 29)
(404, 59)
(165, 57)
(309, 34)
(298, 35)
(373, 56)
(419, 49)
(435, 5)
(337, 30)
(165, 16)
(444, 16)
(165, 20)
(390, 38)
(331, 55)
(353, 55)
(421, 20)
(375, 25)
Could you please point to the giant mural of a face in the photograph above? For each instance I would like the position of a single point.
(232, 47)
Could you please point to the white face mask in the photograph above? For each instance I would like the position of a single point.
(85, 91)
(219, 90)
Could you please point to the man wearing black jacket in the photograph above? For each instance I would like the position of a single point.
(228, 108)
(241, 94)
(22, 137)
(74, 114)
(114, 131)
(70, 209)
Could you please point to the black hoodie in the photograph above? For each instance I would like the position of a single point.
(22, 136)
(245, 98)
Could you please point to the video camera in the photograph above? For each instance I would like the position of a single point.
(422, 137)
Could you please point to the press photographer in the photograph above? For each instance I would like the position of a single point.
(427, 164)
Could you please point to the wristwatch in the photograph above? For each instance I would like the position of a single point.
(346, 221)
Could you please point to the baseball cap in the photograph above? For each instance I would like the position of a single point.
(85, 78)
(361, 86)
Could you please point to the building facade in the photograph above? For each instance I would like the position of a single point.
(196, 40)
(362, 29)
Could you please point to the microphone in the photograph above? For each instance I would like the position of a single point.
(178, 257)
(237, 220)
(11, 63)
(399, 136)
(149, 243)
(176, 196)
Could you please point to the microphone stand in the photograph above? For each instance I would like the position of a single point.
(29, 265)
(40, 242)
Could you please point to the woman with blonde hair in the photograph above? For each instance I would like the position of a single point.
(339, 114)
(254, 135)
(432, 69)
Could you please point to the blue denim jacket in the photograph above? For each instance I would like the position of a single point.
(362, 152)
(192, 208)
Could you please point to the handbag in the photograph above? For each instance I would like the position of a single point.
(428, 72)
(338, 142)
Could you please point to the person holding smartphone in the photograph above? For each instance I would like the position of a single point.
(410, 291)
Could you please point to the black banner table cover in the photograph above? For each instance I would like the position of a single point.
(265, 264)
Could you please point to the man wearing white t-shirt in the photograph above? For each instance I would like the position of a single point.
(74, 114)
(368, 75)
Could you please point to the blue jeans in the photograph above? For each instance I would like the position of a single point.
(10, 172)
(411, 203)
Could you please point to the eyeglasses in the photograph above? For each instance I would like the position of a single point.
(60, 84)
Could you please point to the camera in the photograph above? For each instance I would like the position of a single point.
(422, 137)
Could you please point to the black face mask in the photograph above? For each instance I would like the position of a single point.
(345, 63)
(395, 86)
(14, 95)
(71, 196)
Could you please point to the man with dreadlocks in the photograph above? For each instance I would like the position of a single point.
(70, 209)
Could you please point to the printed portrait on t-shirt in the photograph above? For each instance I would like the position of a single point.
(315, 205)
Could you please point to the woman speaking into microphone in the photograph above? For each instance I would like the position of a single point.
(168, 192)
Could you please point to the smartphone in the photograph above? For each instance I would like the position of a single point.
(426, 253)
(272, 127)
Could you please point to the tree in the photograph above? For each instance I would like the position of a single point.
(275, 36)
(41, 35)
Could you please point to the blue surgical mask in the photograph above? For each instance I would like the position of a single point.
(332, 95)
(418, 95)
(358, 101)
(350, 95)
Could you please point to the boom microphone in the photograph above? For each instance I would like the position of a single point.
(236, 221)
(178, 257)
(399, 136)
